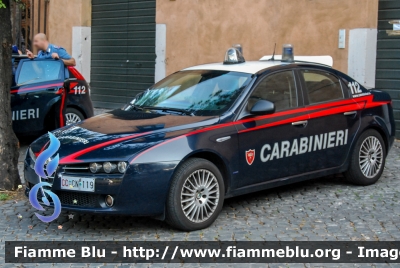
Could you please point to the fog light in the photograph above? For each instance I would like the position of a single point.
(122, 166)
(109, 167)
(94, 167)
(109, 201)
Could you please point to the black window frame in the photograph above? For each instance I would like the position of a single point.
(305, 89)
(244, 113)
(61, 74)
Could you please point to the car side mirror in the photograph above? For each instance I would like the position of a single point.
(263, 107)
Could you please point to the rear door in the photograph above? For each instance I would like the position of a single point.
(273, 146)
(36, 95)
(334, 118)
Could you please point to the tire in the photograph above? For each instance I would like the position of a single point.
(367, 160)
(185, 180)
(73, 116)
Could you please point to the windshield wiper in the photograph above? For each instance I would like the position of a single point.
(26, 82)
(137, 108)
(164, 109)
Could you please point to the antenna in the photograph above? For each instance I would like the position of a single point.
(273, 55)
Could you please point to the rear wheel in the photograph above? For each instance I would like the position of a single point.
(368, 159)
(73, 116)
(196, 195)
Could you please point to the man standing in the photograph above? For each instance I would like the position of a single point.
(50, 51)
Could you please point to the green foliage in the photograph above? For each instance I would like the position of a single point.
(19, 2)
(4, 197)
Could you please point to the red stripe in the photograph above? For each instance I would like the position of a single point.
(312, 115)
(336, 110)
(278, 123)
(354, 106)
(71, 88)
(35, 88)
(63, 97)
(338, 107)
(72, 158)
(309, 108)
(43, 148)
(376, 104)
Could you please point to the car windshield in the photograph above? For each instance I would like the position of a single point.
(39, 71)
(201, 93)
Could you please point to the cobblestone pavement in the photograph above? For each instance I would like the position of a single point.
(324, 209)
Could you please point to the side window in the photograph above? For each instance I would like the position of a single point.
(278, 88)
(322, 86)
(37, 71)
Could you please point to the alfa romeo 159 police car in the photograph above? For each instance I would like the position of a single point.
(215, 131)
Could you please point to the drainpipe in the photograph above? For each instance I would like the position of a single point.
(33, 23)
(46, 6)
(39, 9)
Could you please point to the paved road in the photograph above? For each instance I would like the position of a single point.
(323, 209)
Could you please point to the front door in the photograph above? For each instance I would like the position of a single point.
(274, 146)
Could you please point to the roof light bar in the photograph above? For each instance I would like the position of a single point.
(234, 56)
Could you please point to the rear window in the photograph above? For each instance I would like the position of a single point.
(322, 86)
(39, 71)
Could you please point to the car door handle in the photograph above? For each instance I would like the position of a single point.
(224, 139)
(300, 123)
(350, 113)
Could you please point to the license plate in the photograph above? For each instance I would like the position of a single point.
(77, 184)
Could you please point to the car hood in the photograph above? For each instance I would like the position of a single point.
(119, 135)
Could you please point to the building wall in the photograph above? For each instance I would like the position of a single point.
(200, 31)
(63, 15)
(388, 56)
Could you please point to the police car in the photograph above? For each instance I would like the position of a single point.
(216, 131)
(39, 102)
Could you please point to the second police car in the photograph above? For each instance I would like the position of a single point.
(215, 131)
(39, 101)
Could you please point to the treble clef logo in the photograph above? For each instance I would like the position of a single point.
(43, 162)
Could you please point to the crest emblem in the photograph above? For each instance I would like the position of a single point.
(250, 156)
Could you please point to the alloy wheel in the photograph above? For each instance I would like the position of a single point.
(72, 118)
(200, 196)
(371, 157)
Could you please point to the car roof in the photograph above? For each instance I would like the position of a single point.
(249, 67)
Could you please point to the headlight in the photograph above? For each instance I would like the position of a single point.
(122, 166)
(94, 167)
(109, 167)
(32, 155)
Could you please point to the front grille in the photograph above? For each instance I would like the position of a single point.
(82, 199)
(83, 168)
(67, 198)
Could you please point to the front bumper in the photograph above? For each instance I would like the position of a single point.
(141, 191)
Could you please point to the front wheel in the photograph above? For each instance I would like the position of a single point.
(196, 195)
(368, 159)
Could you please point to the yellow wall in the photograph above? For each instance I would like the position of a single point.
(65, 14)
(200, 31)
